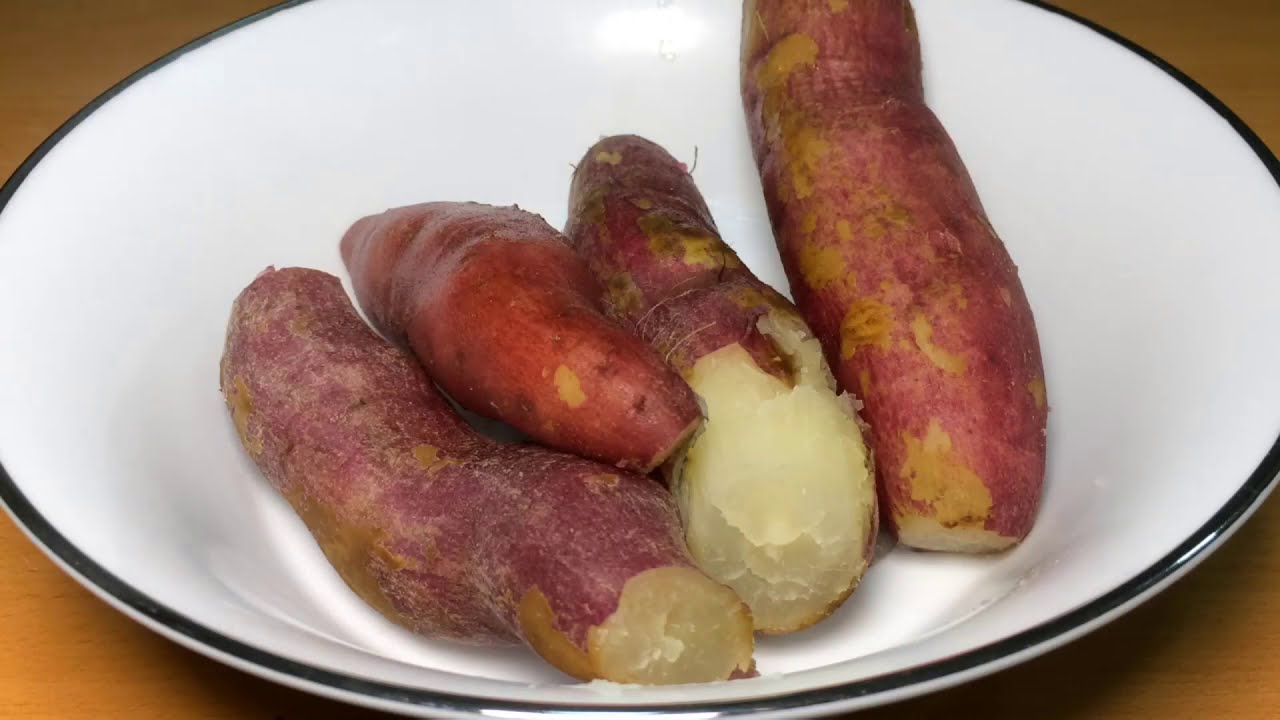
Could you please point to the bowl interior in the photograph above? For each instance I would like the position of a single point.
(1144, 228)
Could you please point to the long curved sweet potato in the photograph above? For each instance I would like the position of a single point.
(893, 262)
(449, 533)
(776, 492)
(507, 319)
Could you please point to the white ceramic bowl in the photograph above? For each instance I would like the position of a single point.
(1143, 215)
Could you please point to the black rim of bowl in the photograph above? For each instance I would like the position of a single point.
(90, 573)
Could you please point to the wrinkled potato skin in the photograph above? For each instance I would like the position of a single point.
(439, 528)
(893, 262)
(507, 319)
(643, 228)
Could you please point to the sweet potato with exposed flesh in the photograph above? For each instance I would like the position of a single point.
(776, 493)
(893, 262)
(449, 533)
(507, 319)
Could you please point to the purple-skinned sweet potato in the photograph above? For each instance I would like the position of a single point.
(776, 492)
(893, 262)
(454, 535)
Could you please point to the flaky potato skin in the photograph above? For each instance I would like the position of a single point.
(893, 262)
(637, 218)
(439, 528)
(506, 318)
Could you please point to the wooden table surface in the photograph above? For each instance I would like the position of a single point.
(1207, 648)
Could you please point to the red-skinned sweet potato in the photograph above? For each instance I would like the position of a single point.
(893, 262)
(507, 319)
(776, 492)
(449, 533)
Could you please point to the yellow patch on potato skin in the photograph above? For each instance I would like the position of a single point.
(538, 625)
(394, 561)
(873, 228)
(868, 322)
(926, 533)
(431, 460)
(622, 294)
(593, 209)
(777, 306)
(806, 149)
(747, 298)
(804, 145)
(426, 455)
(896, 215)
(642, 203)
(608, 158)
(844, 230)
(569, 388)
(694, 247)
(602, 483)
(922, 332)
(785, 57)
(810, 223)
(705, 251)
(864, 382)
(348, 548)
(821, 267)
(934, 476)
(241, 402)
(838, 6)
(892, 217)
(1037, 390)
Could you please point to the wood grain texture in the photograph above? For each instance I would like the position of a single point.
(1204, 649)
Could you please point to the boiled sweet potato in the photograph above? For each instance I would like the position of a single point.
(775, 493)
(893, 262)
(449, 533)
(507, 319)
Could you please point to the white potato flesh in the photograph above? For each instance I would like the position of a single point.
(775, 493)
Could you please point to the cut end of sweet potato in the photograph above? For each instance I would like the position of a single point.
(776, 492)
(924, 533)
(673, 625)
